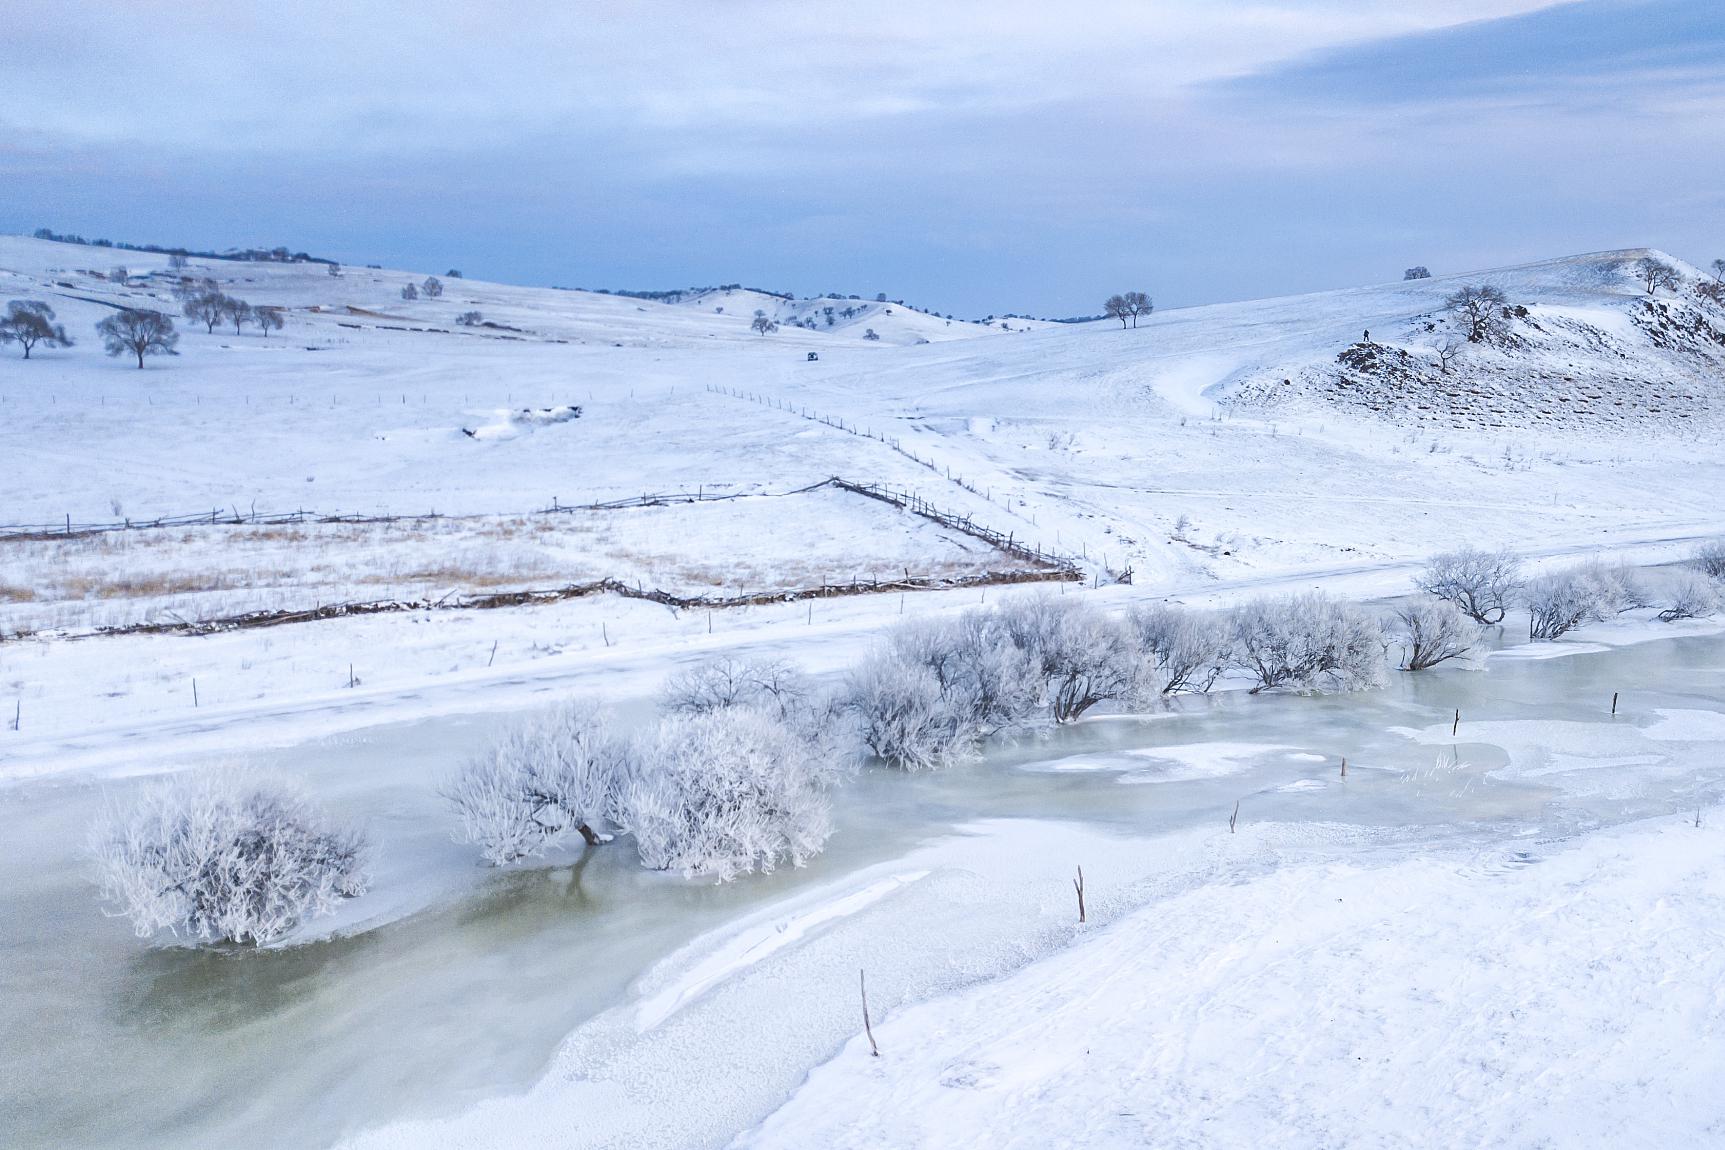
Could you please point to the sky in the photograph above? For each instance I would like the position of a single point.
(971, 158)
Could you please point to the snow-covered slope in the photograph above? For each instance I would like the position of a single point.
(1173, 450)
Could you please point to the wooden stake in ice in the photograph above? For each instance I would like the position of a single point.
(862, 983)
(1078, 885)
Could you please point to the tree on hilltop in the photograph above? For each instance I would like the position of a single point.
(1655, 274)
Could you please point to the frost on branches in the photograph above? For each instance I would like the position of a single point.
(725, 792)
(217, 860)
(552, 776)
(1312, 641)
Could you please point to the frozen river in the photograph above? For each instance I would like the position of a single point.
(681, 1011)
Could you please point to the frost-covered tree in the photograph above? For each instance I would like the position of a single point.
(138, 332)
(871, 334)
(1115, 307)
(1692, 598)
(551, 776)
(1558, 604)
(1655, 274)
(902, 715)
(208, 308)
(1084, 656)
(1310, 641)
(766, 684)
(432, 287)
(1189, 650)
(1432, 631)
(217, 859)
(1478, 310)
(1709, 559)
(29, 322)
(1481, 583)
(762, 323)
(268, 317)
(119, 275)
(1417, 272)
(470, 319)
(176, 261)
(237, 312)
(408, 291)
(725, 793)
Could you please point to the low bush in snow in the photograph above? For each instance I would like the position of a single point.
(1558, 604)
(1482, 584)
(219, 859)
(1431, 632)
(1691, 598)
(1710, 559)
(1310, 641)
(725, 792)
(1188, 650)
(939, 686)
(553, 775)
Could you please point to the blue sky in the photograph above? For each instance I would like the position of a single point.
(973, 158)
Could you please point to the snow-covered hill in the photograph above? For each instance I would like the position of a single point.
(1212, 442)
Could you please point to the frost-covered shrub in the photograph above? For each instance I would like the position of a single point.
(1084, 656)
(724, 793)
(902, 715)
(983, 675)
(1189, 650)
(772, 685)
(553, 774)
(219, 859)
(1710, 559)
(1617, 589)
(1432, 631)
(1310, 641)
(1558, 604)
(1692, 598)
(1482, 583)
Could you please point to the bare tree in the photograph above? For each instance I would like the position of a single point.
(1719, 271)
(237, 312)
(408, 291)
(208, 308)
(139, 332)
(176, 261)
(334, 268)
(432, 287)
(453, 273)
(268, 318)
(1448, 348)
(1655, 274)
(470, 319)
(1417, 272)
(1137, 304)
(119, 275)
(763, 323)
(30, 322)
(1114, 307)
(1480, 583)
(1478, 308)
(1432, 631)
(871, 333)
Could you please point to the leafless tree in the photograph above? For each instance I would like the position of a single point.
(432, 287)
(1478, 308)
(30, 322)
(1719, 271)
(470, 319)
(408, 291)
(1480, 583)
(139, 332)
(1137, 304)
(1448, 348)
(1114, 307)
(237, 312)
(1417, 272)
(119, 275)
(763, 323)
(334, 268)
(268, 318)
(208, 308)
(453, 273)
(177, 261)
(1655, 274)
(1432, 631)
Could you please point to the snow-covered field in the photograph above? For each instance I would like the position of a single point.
(1398, 968)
